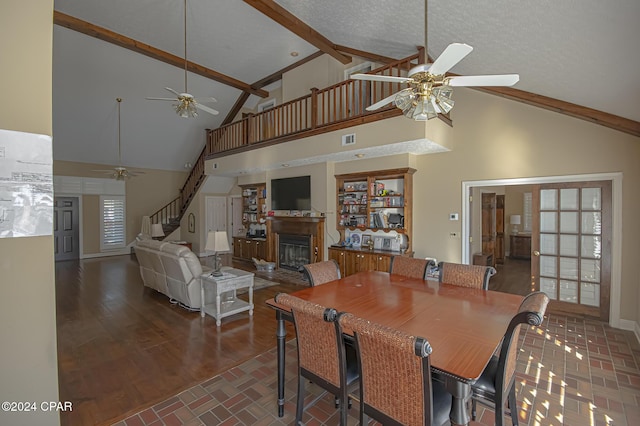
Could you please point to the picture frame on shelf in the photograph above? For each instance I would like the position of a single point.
(367, 241)
(355, 239)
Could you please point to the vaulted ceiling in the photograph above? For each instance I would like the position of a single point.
(575, 52)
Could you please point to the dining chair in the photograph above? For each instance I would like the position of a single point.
(396, 387)
(473, 276)
(322, 272)
(321, 355)
(496, 384)
(410, 266)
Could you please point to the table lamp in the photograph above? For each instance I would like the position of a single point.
(156, 231)
(217, 242)
(515, 221)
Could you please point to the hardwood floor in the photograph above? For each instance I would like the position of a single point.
(513, 276)
(123, 347)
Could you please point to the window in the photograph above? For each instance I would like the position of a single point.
(112, 226)
(526, 209)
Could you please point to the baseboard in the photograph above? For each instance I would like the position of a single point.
(106, 254)
(631, 326)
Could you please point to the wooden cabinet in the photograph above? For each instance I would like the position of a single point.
(378, 200)
(339, 256)
(520, 246)
(351, 261)
(248, 248)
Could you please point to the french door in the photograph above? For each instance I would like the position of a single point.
(571, 245)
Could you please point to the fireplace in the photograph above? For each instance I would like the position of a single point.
(293, 251)
(296, 241)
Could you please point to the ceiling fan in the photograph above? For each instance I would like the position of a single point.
(186, 105)
(120, 172)
(430, 89)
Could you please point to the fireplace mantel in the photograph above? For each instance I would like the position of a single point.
(298, 225)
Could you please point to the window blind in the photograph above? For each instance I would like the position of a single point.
(113, 222)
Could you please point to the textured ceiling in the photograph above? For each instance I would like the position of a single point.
(576, 51)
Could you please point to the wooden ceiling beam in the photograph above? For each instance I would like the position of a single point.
(283, 17)
(235, 109)
(109, 36)
(366, 55)
(266, 81)
(278, 74)
(567, 108)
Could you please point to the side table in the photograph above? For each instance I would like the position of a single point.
(230, 281)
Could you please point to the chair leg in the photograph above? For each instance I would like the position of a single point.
(499, 409)
(513, 406)
(300, 401)
(473, 409)
(343, 413)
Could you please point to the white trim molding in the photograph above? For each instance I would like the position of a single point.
(616, 237)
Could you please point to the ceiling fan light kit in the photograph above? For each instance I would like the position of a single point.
(185, 105)
(430, 90)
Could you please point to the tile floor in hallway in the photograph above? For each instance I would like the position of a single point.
(570, 371)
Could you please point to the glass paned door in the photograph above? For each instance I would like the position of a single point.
(572, 246)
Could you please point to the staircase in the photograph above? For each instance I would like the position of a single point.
(169, 216)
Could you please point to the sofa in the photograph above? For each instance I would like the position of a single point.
(171, 269)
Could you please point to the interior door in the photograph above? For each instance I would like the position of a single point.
(489, 224)
(216, 214)
(66, 233)
(571, 244)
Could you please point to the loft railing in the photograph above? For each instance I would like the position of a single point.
(320, 109)
(343, 104)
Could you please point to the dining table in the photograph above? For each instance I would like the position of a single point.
(463, 325)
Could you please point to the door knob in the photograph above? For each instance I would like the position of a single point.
(536, 253)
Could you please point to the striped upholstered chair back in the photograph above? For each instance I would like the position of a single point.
(322, 272)
(473, 276)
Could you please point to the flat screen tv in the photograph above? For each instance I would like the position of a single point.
(292, 193)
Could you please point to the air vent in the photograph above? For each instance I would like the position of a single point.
(349, 139)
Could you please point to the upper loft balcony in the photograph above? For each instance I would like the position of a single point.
(333, 108)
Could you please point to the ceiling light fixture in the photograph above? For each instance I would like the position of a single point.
(186, 105)
(294, 53)
(360, 155)
(430, 89)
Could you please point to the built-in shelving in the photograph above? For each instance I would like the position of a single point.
(375, 201)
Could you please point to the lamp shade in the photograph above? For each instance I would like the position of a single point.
(156, 230)
(515, 219)
(217, 241)
(146, 225)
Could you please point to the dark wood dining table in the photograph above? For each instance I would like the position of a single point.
(463, 325)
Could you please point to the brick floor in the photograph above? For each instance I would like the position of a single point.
(571, 371)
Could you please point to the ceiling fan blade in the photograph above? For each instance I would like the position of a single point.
(206, 99)
(453, 54)
(207, 109)
(160, 99)
(387, 78)
(383, 102)
(172, 91)
(484, 80)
